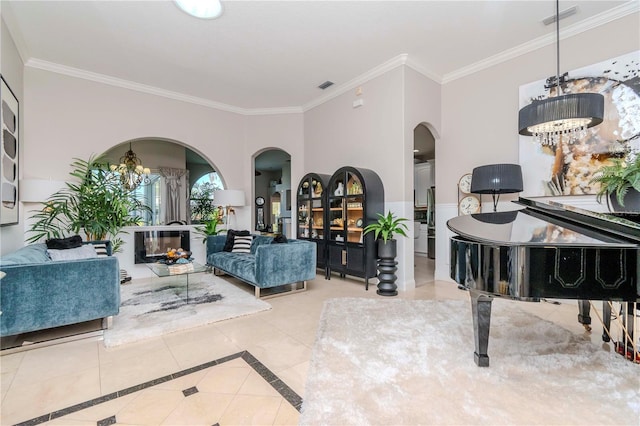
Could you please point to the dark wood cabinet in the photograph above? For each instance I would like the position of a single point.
(311, 202)
(355, 197)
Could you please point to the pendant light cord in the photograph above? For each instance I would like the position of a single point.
(558, 47)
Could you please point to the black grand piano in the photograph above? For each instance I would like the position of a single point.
(545, 250)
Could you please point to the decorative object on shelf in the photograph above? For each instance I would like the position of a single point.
(620, 184)
(339, 192)
(132, 172)
(359, 222)
(94, 201)
(496, 179)
(317, 189)
(386, 227)
(9, 156)
(564, 115)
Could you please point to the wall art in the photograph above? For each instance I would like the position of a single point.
(567, 168)
(9, 155)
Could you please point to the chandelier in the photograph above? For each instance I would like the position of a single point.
(563, 115)
(131, 171)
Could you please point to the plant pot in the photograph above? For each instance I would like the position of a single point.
(387, 252)
(631, 202)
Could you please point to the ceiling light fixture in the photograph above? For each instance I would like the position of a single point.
(563, 115)
(204, 9)
(131, 171)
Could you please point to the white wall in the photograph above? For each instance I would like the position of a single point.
(12, 236)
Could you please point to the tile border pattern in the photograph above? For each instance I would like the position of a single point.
(287, 393)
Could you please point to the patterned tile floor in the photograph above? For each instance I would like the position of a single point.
(275, 345)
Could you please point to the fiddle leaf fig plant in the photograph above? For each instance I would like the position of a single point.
(94, 201)
(387, 226)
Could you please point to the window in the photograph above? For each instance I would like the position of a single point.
(201, 200)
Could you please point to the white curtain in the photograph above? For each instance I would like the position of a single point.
(174, 183)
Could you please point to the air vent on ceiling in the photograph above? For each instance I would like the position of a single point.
(564, 14)
(325, 85)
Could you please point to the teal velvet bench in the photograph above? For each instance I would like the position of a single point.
(39, 293)
(267, 265)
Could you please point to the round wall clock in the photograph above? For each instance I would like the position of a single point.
(465, 183)
(259, 201)
(469, 205)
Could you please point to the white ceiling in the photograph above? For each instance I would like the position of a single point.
(264, 55)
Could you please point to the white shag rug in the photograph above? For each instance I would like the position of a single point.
(152, 309)
(407, 362)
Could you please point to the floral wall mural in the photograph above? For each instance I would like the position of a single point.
(567, 168)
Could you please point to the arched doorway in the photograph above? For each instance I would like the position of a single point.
(272, 183)
(175, 171)
(424, 155)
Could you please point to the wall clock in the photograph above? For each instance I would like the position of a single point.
(465, 183)
(469, 205)
(259, 201)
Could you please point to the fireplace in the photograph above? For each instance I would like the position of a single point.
(151, 246)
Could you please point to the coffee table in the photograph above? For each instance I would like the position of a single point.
(162, 270)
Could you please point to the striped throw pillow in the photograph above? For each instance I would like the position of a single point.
(242, 244)
(101, 249)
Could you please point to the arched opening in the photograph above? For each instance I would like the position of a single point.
(179, 187)
(272, 191)
(424, 155)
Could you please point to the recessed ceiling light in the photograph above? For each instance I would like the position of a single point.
(204, 9)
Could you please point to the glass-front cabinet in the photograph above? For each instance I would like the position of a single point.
(311, 201)
(355, 197)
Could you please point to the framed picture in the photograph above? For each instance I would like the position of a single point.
(9, 155)
(567, 168)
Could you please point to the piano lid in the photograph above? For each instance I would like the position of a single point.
(544, 224)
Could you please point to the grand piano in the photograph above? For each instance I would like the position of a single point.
(546, 250)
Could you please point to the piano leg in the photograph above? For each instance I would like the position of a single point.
(584, 311)
(606, 320)
(481, 313)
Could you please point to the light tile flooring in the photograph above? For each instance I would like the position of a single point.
(44, 380)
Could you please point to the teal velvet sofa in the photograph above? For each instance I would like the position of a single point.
(267, 265)
(37, 293)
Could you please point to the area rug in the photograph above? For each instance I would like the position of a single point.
(411, 362)
(152, 309)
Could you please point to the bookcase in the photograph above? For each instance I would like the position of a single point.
(311, 203)
(355, 197)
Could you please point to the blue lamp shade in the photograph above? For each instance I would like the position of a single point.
(497, 179)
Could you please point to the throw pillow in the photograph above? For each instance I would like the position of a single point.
(242, 244)
(83, 252)
(279, 239)
(231, 234)
(64, 243)
(101, 249)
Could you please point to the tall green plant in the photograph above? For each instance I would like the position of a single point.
(387, 226)
(211, 226)
(94, 202)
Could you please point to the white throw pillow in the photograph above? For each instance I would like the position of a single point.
(85, 252)
(242, 244)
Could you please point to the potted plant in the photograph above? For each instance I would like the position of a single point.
(94, 202)
(211, 226)
(384, 230)
(620, 183)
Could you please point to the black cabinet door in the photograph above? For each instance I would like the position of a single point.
(355, 260)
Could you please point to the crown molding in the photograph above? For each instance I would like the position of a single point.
(361, 79)
(424, 71)
(570, 31)
(125, 84)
